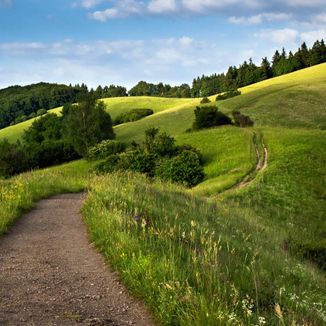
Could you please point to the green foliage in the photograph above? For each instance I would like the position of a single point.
(147, 89)
(159, 144)
(17, 102)
(159, 157)
(249, 73)
(227, 95)
(184, 168)
(87, 124)
(133, 115)
(205, 100)
(209, 116)
(241, 120)
(12, 159)
(104, 149)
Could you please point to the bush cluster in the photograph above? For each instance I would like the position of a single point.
(227, 95)
(209, 116)
(205, 100)
(53, 139)
(104, 149)
(159, 157)
(133, 115)
(241, 120)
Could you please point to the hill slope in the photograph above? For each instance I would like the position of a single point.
(208, 256)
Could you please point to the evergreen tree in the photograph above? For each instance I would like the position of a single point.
(266, 69)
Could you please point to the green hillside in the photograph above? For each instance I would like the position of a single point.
(217, 254)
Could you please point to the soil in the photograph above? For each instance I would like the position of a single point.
(51, 275)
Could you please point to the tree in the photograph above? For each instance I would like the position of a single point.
(209, 116)
(87, 124)
(266, 69)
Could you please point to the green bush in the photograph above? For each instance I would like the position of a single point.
(137, 161)
(209, 116)
(133, 115)
(241, 120)
(12, 159)
(227, 95)
(109, 165)
(105, 149)
(205, 100)
(184, 168)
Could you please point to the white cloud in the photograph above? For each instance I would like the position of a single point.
(304, 3)
(126, 8)
(90, 3)
(121, 62)
(280, 36)
(204, 6)
(321, 17)
(260, 18)
(312, 36)
(123, 9)
(162, 6)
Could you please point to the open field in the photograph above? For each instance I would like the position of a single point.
(203, 256)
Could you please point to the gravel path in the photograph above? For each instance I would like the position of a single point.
(51, 275)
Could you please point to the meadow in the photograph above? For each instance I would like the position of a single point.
(207, 256)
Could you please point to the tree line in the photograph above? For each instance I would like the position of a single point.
(18, 103)
(249, 73)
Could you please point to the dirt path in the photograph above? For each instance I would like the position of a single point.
(261, 165)
(50, 275)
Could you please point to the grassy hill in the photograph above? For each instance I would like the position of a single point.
(208, 256)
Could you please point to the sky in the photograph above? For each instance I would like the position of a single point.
(124, 41)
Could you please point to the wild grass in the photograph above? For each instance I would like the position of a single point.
(198, 263)
(20, 193)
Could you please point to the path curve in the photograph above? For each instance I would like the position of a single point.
(51, 275)
(261, 165)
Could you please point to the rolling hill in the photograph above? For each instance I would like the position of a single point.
(216, 254)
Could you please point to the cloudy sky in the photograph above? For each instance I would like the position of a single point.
(124, 41)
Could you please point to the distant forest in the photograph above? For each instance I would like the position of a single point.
(19, 103)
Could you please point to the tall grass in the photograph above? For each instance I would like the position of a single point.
(198, 263)
(21, 192)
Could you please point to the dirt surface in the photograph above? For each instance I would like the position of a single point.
(51, 275)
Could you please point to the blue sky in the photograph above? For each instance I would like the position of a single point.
(124, 41)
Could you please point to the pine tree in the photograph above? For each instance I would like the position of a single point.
(265, 69)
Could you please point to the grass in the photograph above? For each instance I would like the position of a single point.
(21, 192)
(251, 256)
(199, 263)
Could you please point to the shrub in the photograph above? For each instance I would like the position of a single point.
(227, 95)
(137, 161)
(105, 149)
(40, 112)
(209, 116)
(241, 120)
(184, 168)
(12, 159)
(109, 165)
(205, 100)
(159, 144)
(133, 115)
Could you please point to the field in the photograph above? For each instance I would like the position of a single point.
(215, 254)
